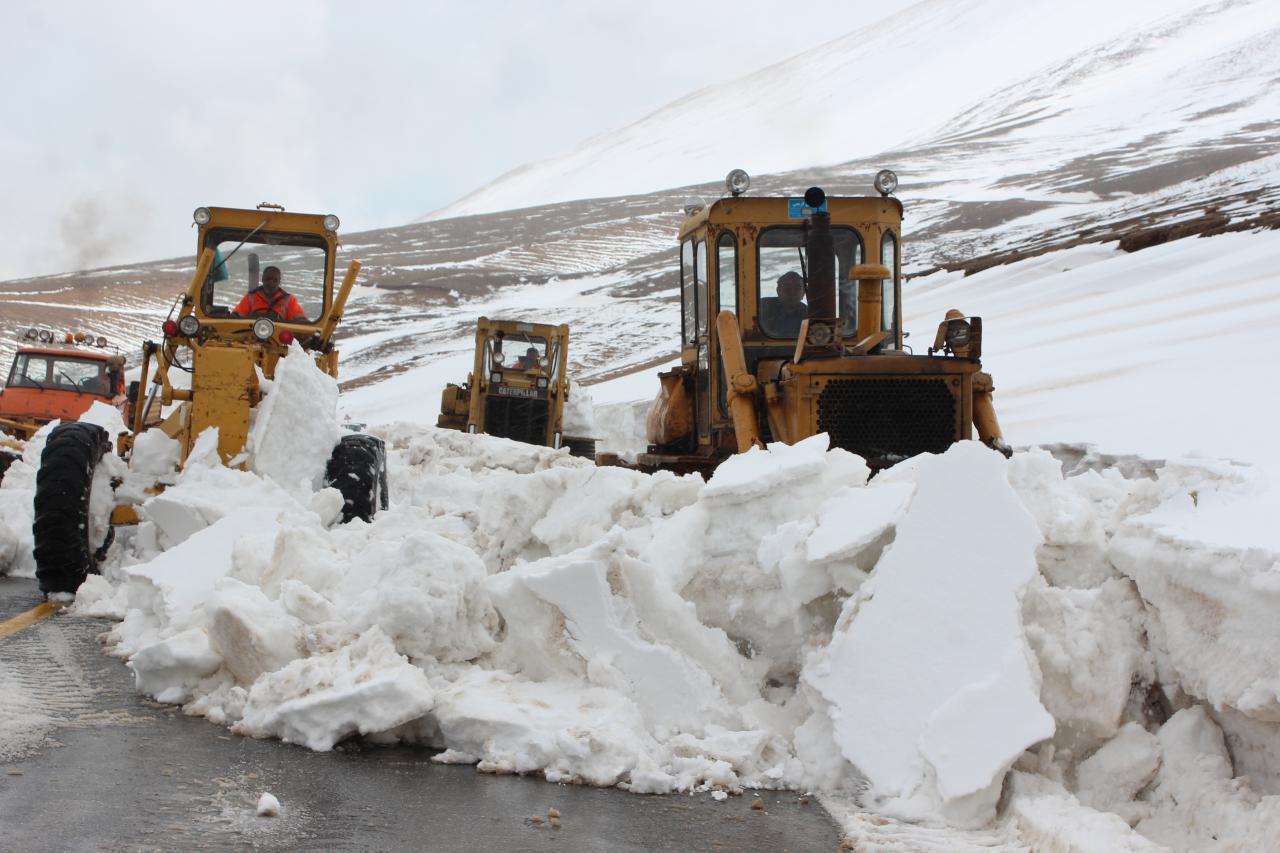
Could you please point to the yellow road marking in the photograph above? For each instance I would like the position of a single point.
(31, 617)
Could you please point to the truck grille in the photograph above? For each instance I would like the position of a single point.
(886, 420)
(516, 418)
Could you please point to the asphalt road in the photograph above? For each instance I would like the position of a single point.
(88, 765)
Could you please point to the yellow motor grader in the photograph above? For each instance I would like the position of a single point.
(264, 278)
(792, 326)
(517, 387)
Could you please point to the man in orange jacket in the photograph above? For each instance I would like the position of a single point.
(268, 300)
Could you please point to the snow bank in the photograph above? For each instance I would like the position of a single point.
(900, 641)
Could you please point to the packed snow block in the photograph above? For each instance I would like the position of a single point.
(295, 426)
(1119, 769)
(1069, 513)
(561, 728)
(1051, 820)
(252, 634)
(574, 616)
(422, 591)
(363, 688)
(761, 472)
(168, 669)
(183, 578)
(739, 552)
(932, 689)
(1197, 804)
(1215, 610)
(1090, 647)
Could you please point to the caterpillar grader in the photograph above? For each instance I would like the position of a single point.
(55, 377)
(517, 387)
(792, 326)
(263, 282)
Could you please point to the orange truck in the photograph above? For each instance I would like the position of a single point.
(49, 382)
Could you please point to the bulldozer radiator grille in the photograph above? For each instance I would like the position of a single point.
(885, 420)
(516, 418)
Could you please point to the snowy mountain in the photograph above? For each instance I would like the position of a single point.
(1036, 102)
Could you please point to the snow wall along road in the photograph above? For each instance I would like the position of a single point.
(901, 642)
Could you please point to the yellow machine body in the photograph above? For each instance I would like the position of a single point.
(518, 386)
(753, 370)
(220, 350)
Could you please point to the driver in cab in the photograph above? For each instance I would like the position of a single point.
(270, 300)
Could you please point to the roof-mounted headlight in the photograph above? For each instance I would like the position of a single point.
(263, 328)
(886, 181)
(737, 182)
(331, 223)
(959, 333)
(693, 205)
(189, 325)
(202, 216)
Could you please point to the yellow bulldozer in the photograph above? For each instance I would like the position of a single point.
(264, 279)
(792, 326)
(517, 388)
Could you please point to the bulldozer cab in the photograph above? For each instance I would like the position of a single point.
(791, 325)
(517, 388)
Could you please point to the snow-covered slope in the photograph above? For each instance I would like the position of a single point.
(1139, 85)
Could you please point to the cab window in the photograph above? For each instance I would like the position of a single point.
(889, 257)
(63, 374)
(238, 270)
(781, 259)
(688, 312)
(700, 275)
(517, 352)
(727, 271)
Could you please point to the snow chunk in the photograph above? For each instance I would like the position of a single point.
(929, 679)
(268, 805)
(365, 687)
(295, 427)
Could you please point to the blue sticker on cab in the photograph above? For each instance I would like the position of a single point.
(797, 209)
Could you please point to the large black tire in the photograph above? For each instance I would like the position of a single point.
(358, 469)
(581, 447)
(63, 552)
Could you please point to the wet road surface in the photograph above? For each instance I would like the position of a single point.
(88, 765)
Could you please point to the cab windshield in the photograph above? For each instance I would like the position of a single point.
(782, 271)
(241, 280)
(60, 373)
(517, 352)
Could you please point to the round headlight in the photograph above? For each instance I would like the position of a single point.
(495, 377)
(201, 216)
(263, 328)
(886, 181)
(101, 341)
(542, 382)
(819, 336)
(815, 198)
(498, 356)
(32, 333)
(737, 181)
(958, 333)
(331, 223)
(46, 336)
(693, 205)
(189, 325)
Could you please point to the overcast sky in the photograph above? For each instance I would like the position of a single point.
(120, 118)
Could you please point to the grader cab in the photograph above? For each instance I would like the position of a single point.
(792, 325)
(231, 325)
(517, 388)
